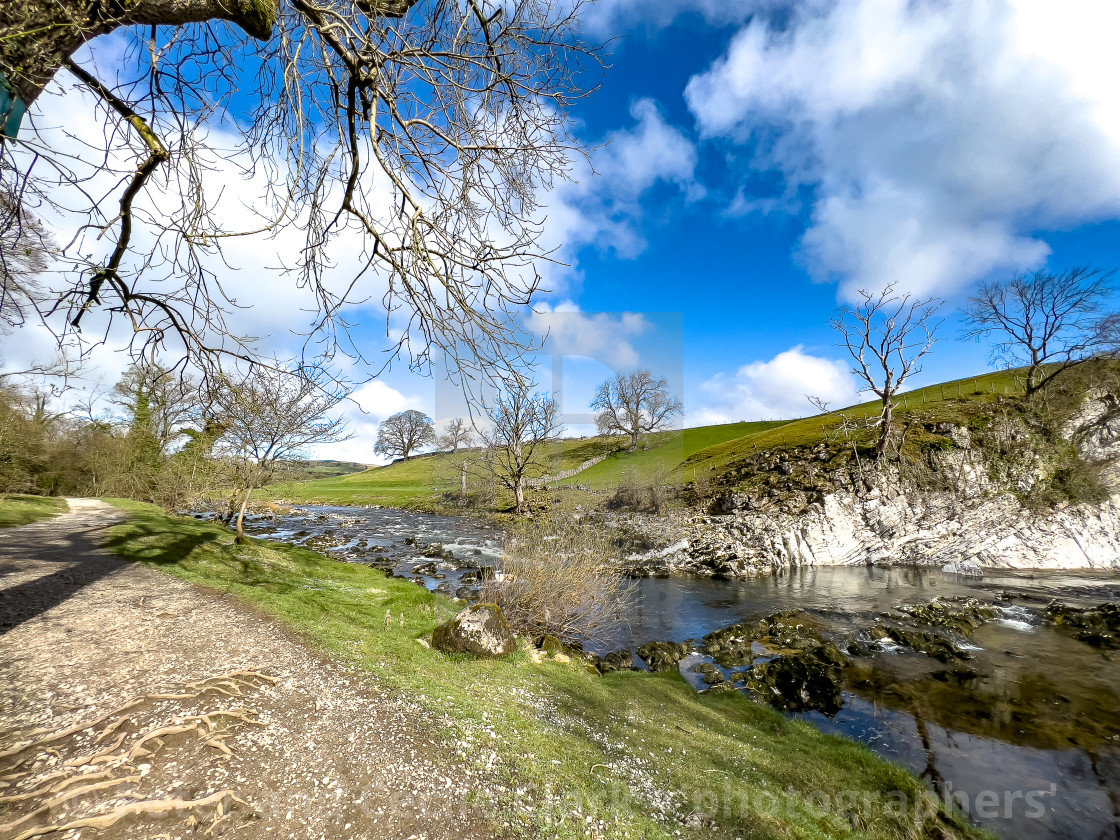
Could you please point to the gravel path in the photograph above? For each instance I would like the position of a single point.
(138, 704)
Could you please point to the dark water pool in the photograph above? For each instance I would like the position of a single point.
(1035, 735)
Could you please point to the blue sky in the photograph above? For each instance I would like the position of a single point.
(830, 148)
(759, 162)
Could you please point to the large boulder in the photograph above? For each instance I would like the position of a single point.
(480, 630)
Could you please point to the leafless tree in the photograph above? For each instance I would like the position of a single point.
(1045, 322)
(518, 424)
(887, 334)
(635, 404)
(405, 433)
(455, 434)
(422, 133)
(269, 417)
(26, 250)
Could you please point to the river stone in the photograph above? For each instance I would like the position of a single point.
(1098, 626)
(663, 656)
(620, 660)
(550, 644)
(962, 615)
(931, 644)
(712, 675)
(808, 680)
(480, 630)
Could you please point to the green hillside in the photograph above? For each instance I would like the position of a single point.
(670, 457)
(665, 452)
(947, 401)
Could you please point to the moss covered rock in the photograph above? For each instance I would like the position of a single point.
(480, 630)
(663, 656)
(1098, 626)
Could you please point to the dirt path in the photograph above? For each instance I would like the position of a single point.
(135, 701)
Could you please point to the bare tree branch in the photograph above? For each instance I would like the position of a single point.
(419, 137)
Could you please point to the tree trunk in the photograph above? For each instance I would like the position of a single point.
(519, 494)
(886, 421)
(240, 538)
(463, 480)
(633, 441)
(1033, 373)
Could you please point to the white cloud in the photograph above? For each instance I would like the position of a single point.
(604, 337)
(367, 407)
(636, 159)
(933, 138)
(774, 389)
(602, 205)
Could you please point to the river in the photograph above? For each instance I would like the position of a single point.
(1028, 740)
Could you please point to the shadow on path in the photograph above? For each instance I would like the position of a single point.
(45, 563)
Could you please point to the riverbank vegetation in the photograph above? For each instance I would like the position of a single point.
(575, 754)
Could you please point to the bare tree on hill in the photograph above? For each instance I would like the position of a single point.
(1045, 322)
(519, 424)
(404, 434)
(887, 334)
(424, 132)
(634, 404)
(456, 433)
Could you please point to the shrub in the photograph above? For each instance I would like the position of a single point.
(651, 496)
(561, 578)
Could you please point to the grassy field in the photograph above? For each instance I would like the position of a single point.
(16, 510)
(581, 755)
(665, 453)
(418, 482)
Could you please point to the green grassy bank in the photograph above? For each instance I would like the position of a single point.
(16, 510)
(578, 755)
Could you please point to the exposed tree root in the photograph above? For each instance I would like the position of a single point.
(92, 759)
(230, 684)
(63, 733)
(45, 788)
(111, 765)
(66, 797)
(222, 801)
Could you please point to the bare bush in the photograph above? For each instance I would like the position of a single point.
(560, 578)
(648, 495)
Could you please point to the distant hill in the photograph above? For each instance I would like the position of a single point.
(310, 470)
